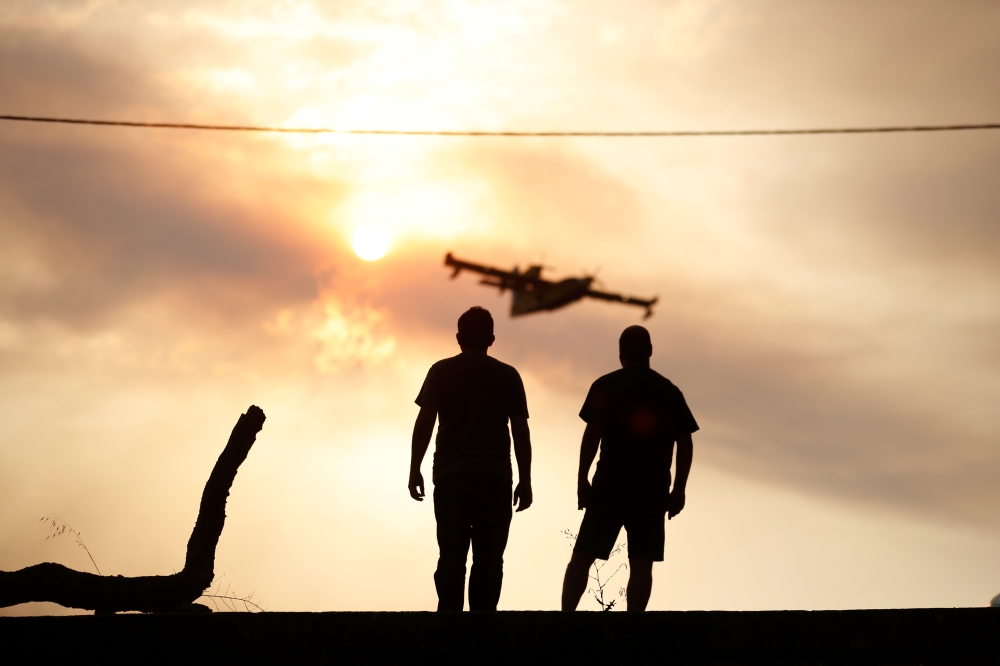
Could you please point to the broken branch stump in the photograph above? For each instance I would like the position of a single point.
(150, 594)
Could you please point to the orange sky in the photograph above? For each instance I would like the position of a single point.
(829, 305)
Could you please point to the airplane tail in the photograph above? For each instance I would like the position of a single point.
(649, 308)
(450, 261)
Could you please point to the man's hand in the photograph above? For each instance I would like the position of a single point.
(675, 503)
(685, 451)
(582, 494)
(521, 435)
(523, 493)
(417, 486)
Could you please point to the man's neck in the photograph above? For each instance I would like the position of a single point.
(475, 352)
(634, 362)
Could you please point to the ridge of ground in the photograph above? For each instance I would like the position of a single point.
(905, 636)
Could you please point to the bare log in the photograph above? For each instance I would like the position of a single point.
(149, 594)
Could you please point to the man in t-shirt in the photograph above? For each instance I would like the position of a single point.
(634, 415)
(472, 396)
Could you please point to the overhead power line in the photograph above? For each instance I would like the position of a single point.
(887, 129)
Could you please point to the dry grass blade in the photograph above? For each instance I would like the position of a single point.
(60, 527)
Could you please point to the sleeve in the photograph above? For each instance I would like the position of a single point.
(595, 406)
(518, 405)
(430, 392)
(685, 419)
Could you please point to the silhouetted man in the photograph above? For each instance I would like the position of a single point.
(472, 396)
(634, 415)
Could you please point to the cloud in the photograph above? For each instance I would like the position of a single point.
(828, 305)
(124, 227)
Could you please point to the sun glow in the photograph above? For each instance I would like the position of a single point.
(370, 242)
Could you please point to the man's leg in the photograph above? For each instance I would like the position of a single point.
(644, 523)
(490, 529)
(575, 581)
(453, 534)
(598, 531)
(640, 583)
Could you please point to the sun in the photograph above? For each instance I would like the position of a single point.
(370, 242)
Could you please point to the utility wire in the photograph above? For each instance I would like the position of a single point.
(386, 132)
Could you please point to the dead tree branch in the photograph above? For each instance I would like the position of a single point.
(150, 594)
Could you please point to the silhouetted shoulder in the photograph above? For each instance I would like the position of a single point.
(472, 384)
(664, 384)
(617, 394)
(645, 377)
(517, 403)
(503, 367)
(684, 422)
(446, 362)
(482, 360)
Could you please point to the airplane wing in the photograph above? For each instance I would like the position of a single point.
(460, 266)
(627, 300)
(494, 276)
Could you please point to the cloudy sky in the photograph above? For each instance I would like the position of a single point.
(830, 305)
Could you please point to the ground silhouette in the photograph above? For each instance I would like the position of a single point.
(773, 638)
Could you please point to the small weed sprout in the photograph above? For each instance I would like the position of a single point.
(60, 527)
(226, 601)
(600, 583)
(222, 600)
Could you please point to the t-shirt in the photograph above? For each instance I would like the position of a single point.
(641, 414)
(474, 395)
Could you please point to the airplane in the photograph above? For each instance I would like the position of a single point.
(531, 293)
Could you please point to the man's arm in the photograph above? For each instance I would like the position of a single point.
(422, 430)
(522, 452)
(685, 452)
(588, 451)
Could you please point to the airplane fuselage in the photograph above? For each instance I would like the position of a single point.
(534, 297)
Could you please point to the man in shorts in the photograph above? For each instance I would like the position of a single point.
(472, 396)
(634, 415)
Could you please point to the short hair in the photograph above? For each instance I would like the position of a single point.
(635, 343)
(475, 327)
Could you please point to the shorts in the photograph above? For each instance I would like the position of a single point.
(604, 519)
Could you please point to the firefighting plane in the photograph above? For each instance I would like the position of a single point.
(533, 294)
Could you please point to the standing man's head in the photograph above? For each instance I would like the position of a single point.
(475, 330)
(635, 347)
